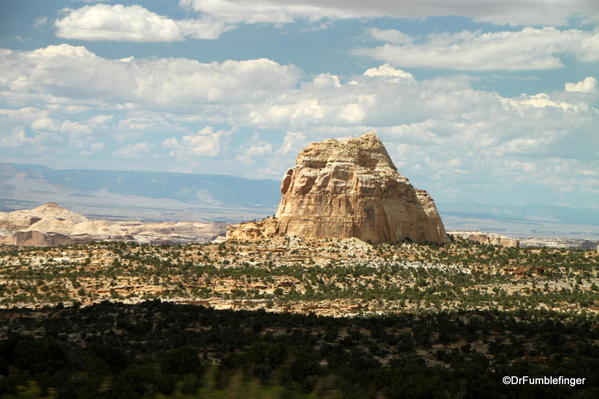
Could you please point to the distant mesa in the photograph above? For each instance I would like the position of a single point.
(348, 188)
(51, 225)
(487, 238)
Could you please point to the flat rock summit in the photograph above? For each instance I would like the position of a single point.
(348, 188)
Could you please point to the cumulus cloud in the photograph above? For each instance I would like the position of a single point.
(100, 119)
(543, 100)
(51, 129)
(134, 150)
(206, 142)
(256, 148)
(527, 49)
(136, 123)
(131, 23)
(388, 71)
(16, 138)
(65, 126)
(426, 124)
(65, 73)
(25, 114)
(587, 85)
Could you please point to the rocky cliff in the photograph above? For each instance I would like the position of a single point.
(348, 188)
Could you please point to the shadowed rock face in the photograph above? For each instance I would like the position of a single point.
(351, 188)
(37, 239)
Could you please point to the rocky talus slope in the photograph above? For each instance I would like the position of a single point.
(50, 224)
(348, 188)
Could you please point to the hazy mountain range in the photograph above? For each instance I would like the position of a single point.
(163, 196)
(141, 195)
(531, 220)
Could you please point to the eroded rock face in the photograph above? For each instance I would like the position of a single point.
(253, 231)
(36, 239)
(351, 188)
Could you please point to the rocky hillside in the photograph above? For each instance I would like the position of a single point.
(50, 224)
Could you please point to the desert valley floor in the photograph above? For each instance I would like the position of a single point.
(326, 277)
(296, 318)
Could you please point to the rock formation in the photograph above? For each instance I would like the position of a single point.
(487, 238)
(37, 239)
(530, 242)
(51, 224)
(348, 188)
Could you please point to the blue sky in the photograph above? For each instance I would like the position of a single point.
(492, 102)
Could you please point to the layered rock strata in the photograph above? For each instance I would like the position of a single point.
(348, 188)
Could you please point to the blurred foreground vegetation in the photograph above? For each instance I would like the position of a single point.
(160, 350)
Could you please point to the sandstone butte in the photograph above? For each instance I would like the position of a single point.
(348, 188)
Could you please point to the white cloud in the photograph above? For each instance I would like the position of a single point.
(131, 23)
(512, 12)
(65, 126)
(25, 114)
(273, 12)
(69, 108)
(291, 141)
(72, 74)
(587, 85)
(527, 49)
(16, 138)
(390, 36)
(134, 150)
(254, 149)
(100, 119)
(258, 148)
(144, 121)
(425, 124)
(543, 100)
(136, 23)
(428, 125)
(388, 71)
(205, 142)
